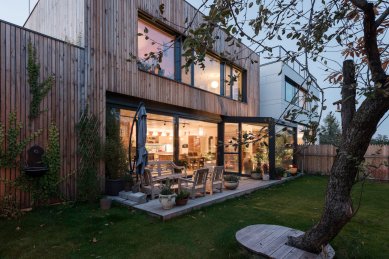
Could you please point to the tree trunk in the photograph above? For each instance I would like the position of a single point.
(338, 208)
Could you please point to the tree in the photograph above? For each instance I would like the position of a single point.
(330, 131)
(380, 140)
(357, 29)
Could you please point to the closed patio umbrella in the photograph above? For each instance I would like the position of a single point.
(141, 135)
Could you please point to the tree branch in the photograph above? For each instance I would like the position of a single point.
(382, 17)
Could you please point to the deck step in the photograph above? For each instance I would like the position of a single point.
(137, 197)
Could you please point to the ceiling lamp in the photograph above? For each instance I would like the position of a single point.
(214, 84)
(201, 131)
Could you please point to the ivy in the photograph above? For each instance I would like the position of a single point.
(10, 147)
(38, 90)
(89, 150)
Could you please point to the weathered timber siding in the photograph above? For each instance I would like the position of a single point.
(61, 106)
(110, 38)
(61, 19)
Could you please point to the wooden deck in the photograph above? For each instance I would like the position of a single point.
(246, 185)
(270, 241)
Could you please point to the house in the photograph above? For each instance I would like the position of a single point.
(194, 116)
(289, 92)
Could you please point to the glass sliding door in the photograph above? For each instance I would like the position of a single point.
(160, 134)
(255, 147)
(284, 146)
(197, 144)
(231, 147)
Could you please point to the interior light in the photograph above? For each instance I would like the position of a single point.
(214, 84)
(201, 131)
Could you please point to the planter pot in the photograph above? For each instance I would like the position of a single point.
(256, 176)
(105, 203)
(265, 177)
(113, 187)
(231, 185)
(167, 201)
(293, 171)
(182, 202)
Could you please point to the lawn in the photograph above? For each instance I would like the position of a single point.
(83, 231)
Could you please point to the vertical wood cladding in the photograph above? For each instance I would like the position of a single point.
(61, 106)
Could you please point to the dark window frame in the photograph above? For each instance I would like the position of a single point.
(242, 95)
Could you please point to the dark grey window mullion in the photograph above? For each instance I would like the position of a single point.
(222, 84)
(177, 60)
(230, 83)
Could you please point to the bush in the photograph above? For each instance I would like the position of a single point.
(115, 154)
(279, 172)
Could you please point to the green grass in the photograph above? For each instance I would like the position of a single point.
(68, 231)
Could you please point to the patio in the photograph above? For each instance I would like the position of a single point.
(246, 186)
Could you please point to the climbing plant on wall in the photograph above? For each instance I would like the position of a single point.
(38, 90)
(10, 146)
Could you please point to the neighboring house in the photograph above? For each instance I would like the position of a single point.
(286, 88)
(191, 116)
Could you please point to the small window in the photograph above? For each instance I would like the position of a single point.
(155, 50)
(290, 92)
(233, 83)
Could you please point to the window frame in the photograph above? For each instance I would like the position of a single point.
(297, 90)
(178, 62)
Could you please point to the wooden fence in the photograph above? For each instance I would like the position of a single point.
(319, 159)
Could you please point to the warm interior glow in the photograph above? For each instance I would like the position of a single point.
(214, 84)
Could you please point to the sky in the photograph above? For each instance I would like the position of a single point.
(17, 11)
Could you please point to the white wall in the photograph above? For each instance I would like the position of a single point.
(272, 90)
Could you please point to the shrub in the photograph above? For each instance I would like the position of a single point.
(231, 178)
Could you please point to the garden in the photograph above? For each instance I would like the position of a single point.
(80, 230)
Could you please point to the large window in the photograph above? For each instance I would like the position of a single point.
(155, 50)
(159, 142)
(255, 153)
(197, 143)
(284, 146)
(208, 78)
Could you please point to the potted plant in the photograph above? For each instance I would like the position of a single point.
(257, 174)
(182, 198)
(231, 182)
(279, 172)
(293, 169)
(115, 158)
(167, 197)
(265, 172)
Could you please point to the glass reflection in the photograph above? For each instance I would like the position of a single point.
(208, 78)
(284, 146)
(155, 41)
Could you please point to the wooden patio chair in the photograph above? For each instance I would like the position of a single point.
(149, 186)
(215, 179)
(197, 185)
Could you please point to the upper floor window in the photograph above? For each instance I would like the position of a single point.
(155, 50)
(208, 78)
(233, 83)
(295, 95)
(159, 52)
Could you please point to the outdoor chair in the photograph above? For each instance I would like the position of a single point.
(149, 186)
(196, 185)
(215, 179)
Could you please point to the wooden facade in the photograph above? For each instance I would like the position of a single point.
(107, 32)
(61, 106)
